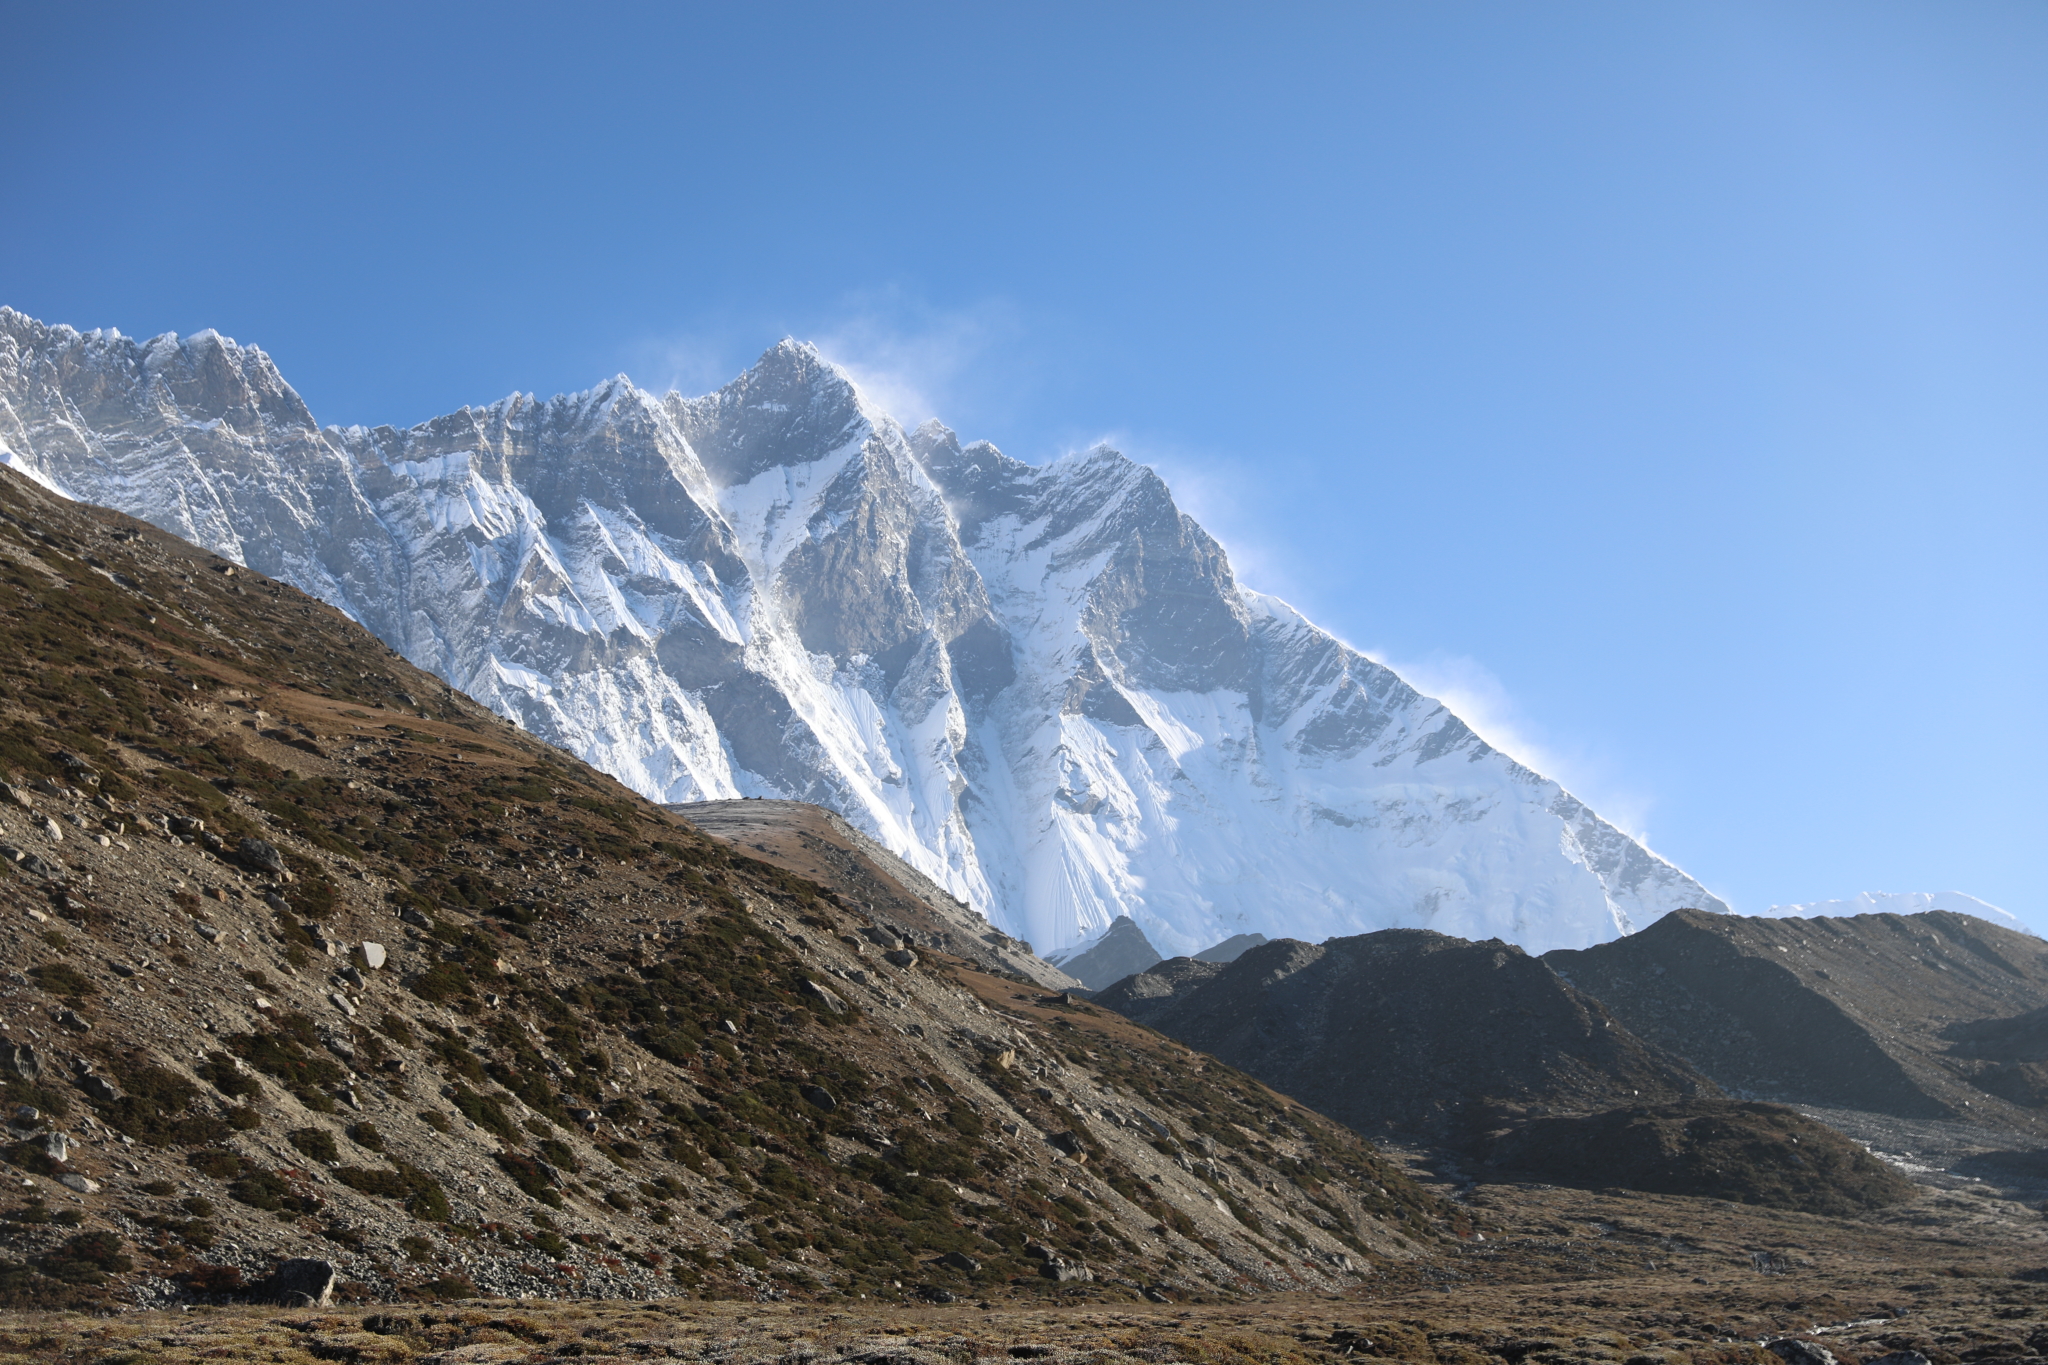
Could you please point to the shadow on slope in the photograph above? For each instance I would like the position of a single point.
(1746, 1153)
(1407, 1031)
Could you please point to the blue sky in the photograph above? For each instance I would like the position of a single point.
(1667, 384)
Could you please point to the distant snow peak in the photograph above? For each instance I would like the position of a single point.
(1902, 903)
(1041, 686)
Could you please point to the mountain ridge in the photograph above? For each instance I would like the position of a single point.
(1041, 686)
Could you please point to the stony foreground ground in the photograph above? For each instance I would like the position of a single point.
(1565, 1276)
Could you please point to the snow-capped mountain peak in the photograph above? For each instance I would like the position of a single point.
(1042, 686)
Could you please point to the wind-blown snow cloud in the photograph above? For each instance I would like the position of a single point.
(909, 359)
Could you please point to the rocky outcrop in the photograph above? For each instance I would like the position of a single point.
(1153, 991)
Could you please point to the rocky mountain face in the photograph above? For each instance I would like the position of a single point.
(1042, 687)
(1920, 1016)
(311, 959)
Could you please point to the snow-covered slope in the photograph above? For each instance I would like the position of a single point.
(1902, 903)
(1041, 686)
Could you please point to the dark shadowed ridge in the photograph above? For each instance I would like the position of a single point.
(1890, 1014)
(1407, 1031)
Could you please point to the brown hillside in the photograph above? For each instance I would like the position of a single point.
(601, 1053)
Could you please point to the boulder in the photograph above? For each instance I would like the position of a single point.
(262, 856)
(57, 1147)
(99, 1089)
(830, 1000)
(819, 1096)
(72, 1180)
(1065, 1271)
(900, 957)
(372, 954)
(21, 1059)
(301, 1282)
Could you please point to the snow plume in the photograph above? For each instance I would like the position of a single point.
(910, 359)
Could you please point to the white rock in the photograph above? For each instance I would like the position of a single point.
(372, 954)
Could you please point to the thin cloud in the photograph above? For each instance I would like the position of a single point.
(689, 364)
(912, 361)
